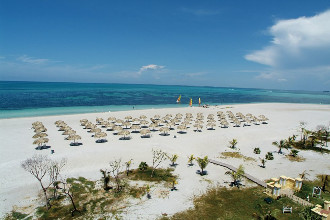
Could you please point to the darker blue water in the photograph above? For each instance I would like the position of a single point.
(36, 95)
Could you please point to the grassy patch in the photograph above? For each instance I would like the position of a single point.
(238, 155)
(296, 158)
(307, 146)
(223, 203)
(307, 190)
(13, 215)
(159, 175)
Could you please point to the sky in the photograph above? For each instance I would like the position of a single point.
(272, 44)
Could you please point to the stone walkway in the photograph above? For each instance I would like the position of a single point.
(248, 176)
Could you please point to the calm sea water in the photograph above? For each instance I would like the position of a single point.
(24, 99)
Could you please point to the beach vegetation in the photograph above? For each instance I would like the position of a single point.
(248, 203)
(106, 179)
(238, 155)
(128, 165)
(191, 159)
(14, 215)
(45, 170)
(308, 214)
(173, 159)
(263, 162)
(294, 153)
(159, 175)
(158, 156)
(269, 156)
(115, 170)
(143, 166)
(236, 176)
(322, 181)
(202, 163)
(233, 143)
(281, 144)
(257, 150)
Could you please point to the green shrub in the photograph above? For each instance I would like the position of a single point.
(257, 150)
(143, 166)
(269, 156)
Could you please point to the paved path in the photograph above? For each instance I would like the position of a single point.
(248, 176)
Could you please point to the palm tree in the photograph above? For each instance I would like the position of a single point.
(303, 175)
(191, 159)
(280, 145)
(236, 176)
(263, 162)
(202, 163)
(173, 159)
(233, 143)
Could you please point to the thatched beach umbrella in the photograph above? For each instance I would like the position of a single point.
(119, 122)
(182, 128)
(40, 135)
(145, 132)
(211, 120)
(144, 123)
(143, 117)
(210, 125)
(99, 120)
(90, 125)
(135, 127)
(41, 141)
(40, 129)
(74, 137)
(69, 132)
(157, 117)
(127, 124)
(136, 121)
(165, 130)
(100, 135)
(128, 118)
(124, 133)
(112, 119)
(198, 127)
(95, 130)
(153, 126)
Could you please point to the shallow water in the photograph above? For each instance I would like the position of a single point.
(24, 99)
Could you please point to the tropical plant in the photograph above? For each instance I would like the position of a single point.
(236, 176)
(191, 158)
(173, 159)
(233, 143)
(269, 156)
(281, 144)
(308, 214)
(128, 165)
(174, 182)
(302, 126)
(106, 179)
(256, 150)
(294, 153)
(202, 163)
(325, 182)
(303, 175)
(263, 162)
(143, 166)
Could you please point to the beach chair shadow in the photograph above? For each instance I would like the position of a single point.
(200, 172)
(43, 147)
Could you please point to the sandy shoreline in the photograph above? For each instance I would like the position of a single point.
(16, 145)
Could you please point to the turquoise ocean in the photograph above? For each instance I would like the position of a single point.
(26, 99)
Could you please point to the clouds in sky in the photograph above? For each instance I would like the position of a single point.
(32, 60)
(297, 45)
(150, 67)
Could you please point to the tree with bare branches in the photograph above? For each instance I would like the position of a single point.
(115, 169)
(40, 166)
(158, 156)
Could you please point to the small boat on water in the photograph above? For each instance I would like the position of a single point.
(190, 103)
(179, 99)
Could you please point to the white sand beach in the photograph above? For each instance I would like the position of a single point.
(19, 188)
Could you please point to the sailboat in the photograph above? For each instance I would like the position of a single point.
(179, 99)
(199, 102)
(190, 103)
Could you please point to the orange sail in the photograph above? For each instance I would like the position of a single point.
(179, 99)
(190, 103)
(199, 101)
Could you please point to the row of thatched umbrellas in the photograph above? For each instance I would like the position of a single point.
(246, 119)
(40, 134)
(67, 130)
